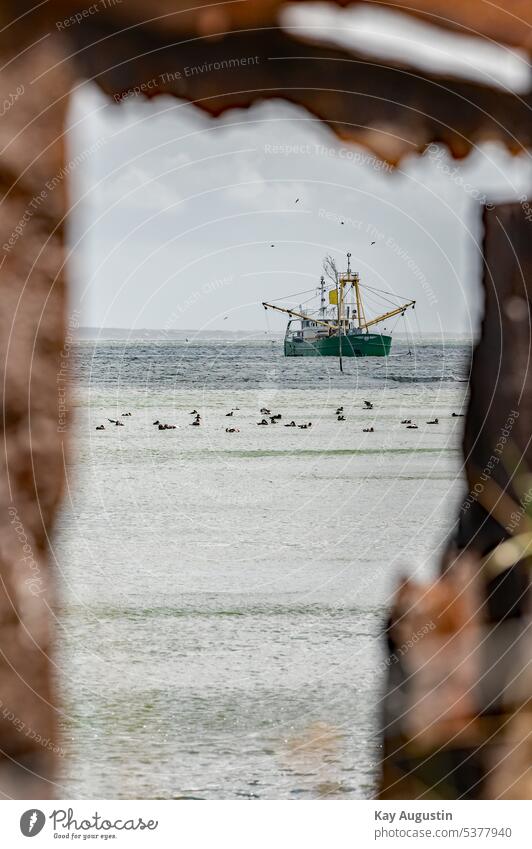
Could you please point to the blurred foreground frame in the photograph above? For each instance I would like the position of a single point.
(457, 718)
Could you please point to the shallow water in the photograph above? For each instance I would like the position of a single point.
(224, 595)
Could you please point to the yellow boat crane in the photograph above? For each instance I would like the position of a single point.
(337, 296)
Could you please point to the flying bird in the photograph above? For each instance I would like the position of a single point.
(373, 243)
(297, 200)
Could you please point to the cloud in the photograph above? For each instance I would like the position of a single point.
(136, 188)
(182, 199)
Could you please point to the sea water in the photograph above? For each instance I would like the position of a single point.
(223, 596)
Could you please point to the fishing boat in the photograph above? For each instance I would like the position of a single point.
(339, 326)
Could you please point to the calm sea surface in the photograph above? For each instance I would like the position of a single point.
(224, 595)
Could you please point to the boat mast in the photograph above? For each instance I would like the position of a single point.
(322, 290)
(355, 280)
(340, 300)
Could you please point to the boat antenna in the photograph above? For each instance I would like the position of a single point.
(348, 263)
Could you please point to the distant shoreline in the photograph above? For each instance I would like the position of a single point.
(123, 334)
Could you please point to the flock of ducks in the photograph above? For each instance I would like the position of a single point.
(274, 418)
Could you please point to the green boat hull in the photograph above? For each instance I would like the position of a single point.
(351, 345)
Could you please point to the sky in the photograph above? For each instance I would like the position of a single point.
(175, 214)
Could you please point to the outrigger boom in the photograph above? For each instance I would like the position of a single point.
(295, 314)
